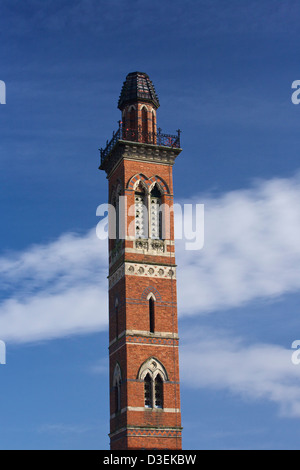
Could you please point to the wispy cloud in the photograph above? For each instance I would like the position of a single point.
(54, 290)
(251, 248)
(56, 266)
(43, 316)
(216, 360)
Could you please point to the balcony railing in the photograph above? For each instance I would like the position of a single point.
(139, 135)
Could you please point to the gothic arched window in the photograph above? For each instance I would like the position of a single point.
(141, 220)
(114, 214)
(132, 125)
(148, 391)
(144, 125)
(153, 391)
(117, 379)
(151, 314)
(158, 392)
(153, 374)
(155, 214)
(153, 128)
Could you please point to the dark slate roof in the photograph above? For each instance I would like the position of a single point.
(137, 86)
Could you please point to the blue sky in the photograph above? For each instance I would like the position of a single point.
(223, 73)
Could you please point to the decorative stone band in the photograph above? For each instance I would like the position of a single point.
(149, 431)
(146, 410)
(144, 246)
(147, 334)
(156, 341)
(141, 341)
(144, 270)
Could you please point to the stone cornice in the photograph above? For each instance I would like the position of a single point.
(138, 151)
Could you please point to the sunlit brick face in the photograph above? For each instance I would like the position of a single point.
(143, 326)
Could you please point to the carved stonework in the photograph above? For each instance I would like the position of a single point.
(158, 245)
(154, 246)
(137, 269)
(153, 367)
(142, 245)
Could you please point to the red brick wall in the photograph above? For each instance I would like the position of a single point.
(143, 428)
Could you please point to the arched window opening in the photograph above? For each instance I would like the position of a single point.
(112, 218)
(117, 206)
(141, 222)
(144, 125)
(148, 391)
(153, 374)
(158, 392)
(153, 122)
(155, 214)
(117, 380)
(153, 130)
(113, 212)
(152, 314)
(132, 125)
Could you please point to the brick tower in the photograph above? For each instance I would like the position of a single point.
(143, 327)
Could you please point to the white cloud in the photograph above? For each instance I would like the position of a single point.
(47, 316)
(259, 371)
(251, 248)
(62, 263)
(54, 290)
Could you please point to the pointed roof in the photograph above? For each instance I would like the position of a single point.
(137, 86)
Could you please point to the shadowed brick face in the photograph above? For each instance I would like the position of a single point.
(140, 270)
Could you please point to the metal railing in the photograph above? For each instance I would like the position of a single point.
(139, 135)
